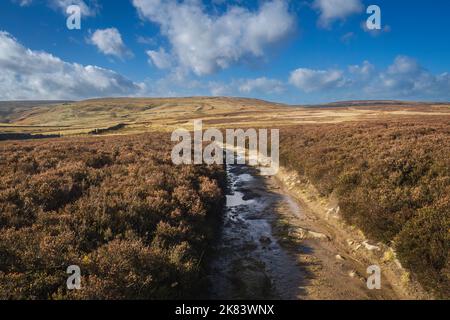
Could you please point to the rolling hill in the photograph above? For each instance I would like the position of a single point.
(133, 115)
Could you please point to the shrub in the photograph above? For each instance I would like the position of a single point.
(136, 224)
(392, 180)
(423, 245)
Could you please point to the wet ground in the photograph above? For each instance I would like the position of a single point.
(270, 247)
(250, 263)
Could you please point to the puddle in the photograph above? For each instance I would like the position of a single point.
(245, 177)
(250, 263)
(237, 199)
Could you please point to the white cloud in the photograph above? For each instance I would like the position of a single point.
(160, 59)
(204, 43)
(219, 89)
(146, 40)
(109, 41)
(23, 3)
(332, 10)
(262, 84)
(310, 80)
(257, 87)
(405, 78)
(88, 7)
(404, 65)
(365, 70)
(28, 74)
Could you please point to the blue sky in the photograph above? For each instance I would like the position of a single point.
(309, 51)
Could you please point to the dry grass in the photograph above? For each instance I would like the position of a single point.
(142, 115)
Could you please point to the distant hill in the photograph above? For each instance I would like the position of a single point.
(9, 110)
(373, 103)
(131, 115)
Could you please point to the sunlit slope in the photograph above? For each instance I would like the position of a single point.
(141, 113)
(129, 115)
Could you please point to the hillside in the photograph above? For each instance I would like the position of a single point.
(134, 115)
(11, 110)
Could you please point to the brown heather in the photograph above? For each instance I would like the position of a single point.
(137, 225)
(392, 180)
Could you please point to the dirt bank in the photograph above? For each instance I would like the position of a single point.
(280, 240)
(339, 255)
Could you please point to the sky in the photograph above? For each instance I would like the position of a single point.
(297, 52)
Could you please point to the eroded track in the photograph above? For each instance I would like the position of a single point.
(271, 247)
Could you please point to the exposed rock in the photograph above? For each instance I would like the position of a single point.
(307, 234)
(339, 257)
(318, 235)
(370, 247)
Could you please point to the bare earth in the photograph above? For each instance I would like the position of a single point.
(279, 241)
(336, 255)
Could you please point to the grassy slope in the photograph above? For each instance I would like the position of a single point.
(166, 114)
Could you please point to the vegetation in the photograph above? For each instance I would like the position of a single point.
(137, 225)
(392, 180)
(137, 115)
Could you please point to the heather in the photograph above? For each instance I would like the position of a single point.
(391, 179)
(137, 225)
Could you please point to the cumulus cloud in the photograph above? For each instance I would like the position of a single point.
(219, 89)
(109, 41)
(160, 59)
(257, 87)
(262, 84)
(310, 80)
(365, 70)
(332, 10)
(88, 7)
(204, 43)
(28, 74)
(405, 78)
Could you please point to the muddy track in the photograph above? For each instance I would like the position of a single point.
(273, 247)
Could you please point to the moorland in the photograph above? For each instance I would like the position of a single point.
(106, 195)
